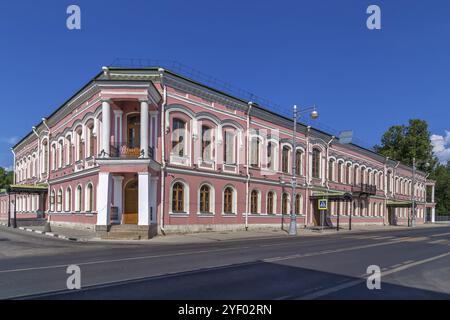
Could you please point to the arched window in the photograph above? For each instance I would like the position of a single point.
(254, 207)
(229, 147)
(78, 199)
(54, 162)
(89, 204)
(316, 163)
(331, 170)
(254, 155)
(285, 159)
(348, 174)
(355, 175)
(69, 151)
(389, 182)
(59, 200)
(60, 154)
(205, 199)
(80, 144)
(298, 162)
(178, 197)
(270, 202)
(91, 140)
(340, 177)
(363, 174)
(284, 203)
(228, 200)
(68, 202)
(44, 156)
(270, 155)
(178, 137)
(298, 203)
(207, 149)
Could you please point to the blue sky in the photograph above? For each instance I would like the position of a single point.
(291, 52)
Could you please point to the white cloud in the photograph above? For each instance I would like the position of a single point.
(441, 146)
(10, 140)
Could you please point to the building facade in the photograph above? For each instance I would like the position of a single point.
(151, 148)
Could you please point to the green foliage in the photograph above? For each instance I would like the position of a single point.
(6, 178)
(441, 175)
(405, 142)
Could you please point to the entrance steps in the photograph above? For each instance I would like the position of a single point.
(129, 232)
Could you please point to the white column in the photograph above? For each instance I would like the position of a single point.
(103, 199)
(144, 199)
(144, 128)
(118, 201)
(106, 127)
(118, 126)
(433, 215)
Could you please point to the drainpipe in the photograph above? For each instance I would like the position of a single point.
(44, 121)
(308, 129)
(38, 155)
(14, 166)
(250, 105)
(163, 146)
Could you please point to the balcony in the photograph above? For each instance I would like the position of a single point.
(127, 151)
(364, 190)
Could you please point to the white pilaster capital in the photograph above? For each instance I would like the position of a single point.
(118, 178)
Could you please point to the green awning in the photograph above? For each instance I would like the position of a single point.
(328, 195)
(399, 204)
(23, 188)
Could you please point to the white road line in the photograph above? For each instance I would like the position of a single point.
(325, 292)
(313, 254)
(119, 260)
(438, 241)
(441, 234)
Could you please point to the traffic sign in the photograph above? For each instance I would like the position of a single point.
(323, 204)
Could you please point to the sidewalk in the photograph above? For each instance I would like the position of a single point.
(208, 237)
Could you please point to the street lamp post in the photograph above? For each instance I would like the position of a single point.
(293, 219)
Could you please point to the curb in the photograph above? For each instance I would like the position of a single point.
(50, 234)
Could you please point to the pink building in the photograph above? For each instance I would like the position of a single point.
(155, 152)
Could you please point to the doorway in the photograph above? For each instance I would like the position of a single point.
(391, 216)
(134, 131)
(131, 203)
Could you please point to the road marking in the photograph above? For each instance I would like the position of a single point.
(119, 260)
(439, 241)
(441, 234)
(384, 238)
(328, 291)
(312, 254)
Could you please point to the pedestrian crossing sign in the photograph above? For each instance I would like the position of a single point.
(323, 204)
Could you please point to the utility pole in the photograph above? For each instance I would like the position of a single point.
(293, 222)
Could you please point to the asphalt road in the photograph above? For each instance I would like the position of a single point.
(415, 264)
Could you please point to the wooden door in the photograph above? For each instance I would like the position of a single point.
(131, 203)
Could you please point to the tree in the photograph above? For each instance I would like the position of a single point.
(6, 178)
(405, 142)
